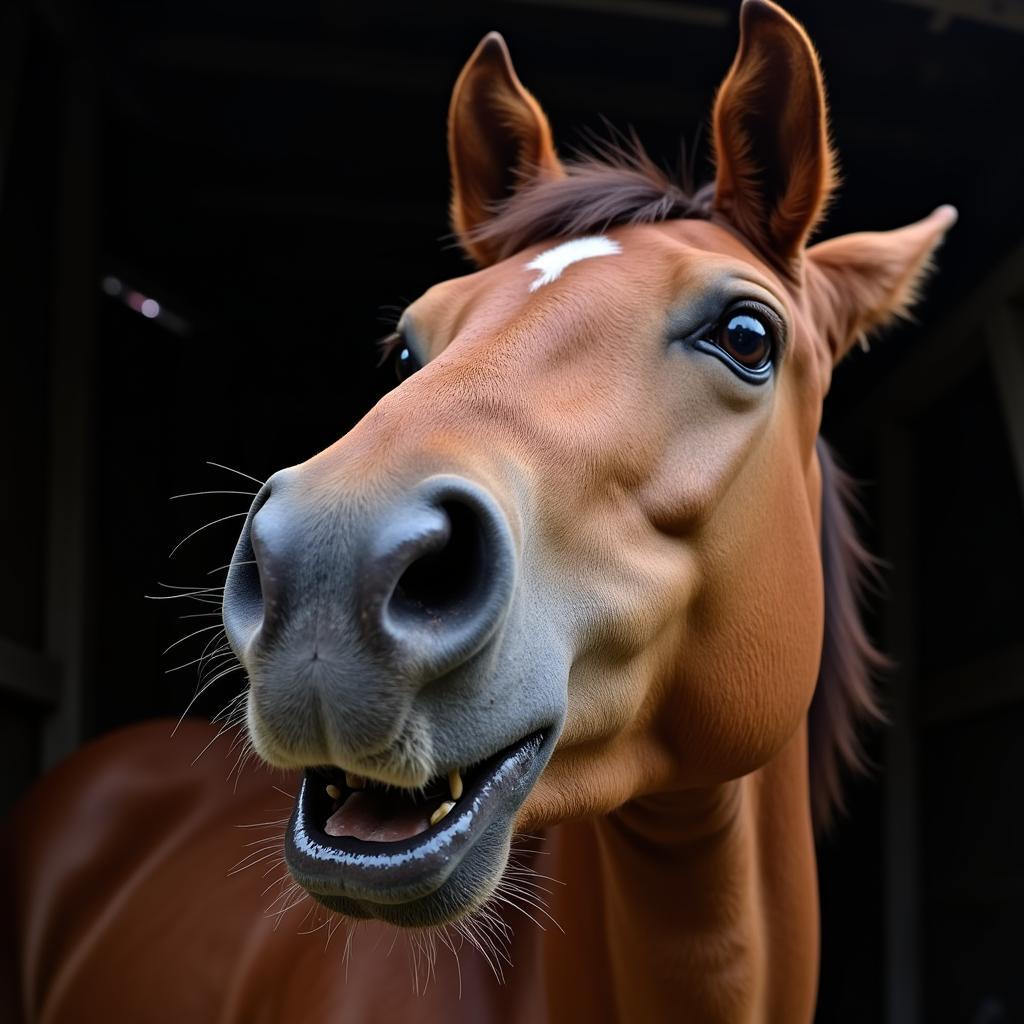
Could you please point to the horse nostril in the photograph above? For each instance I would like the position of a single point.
(243, 608)
(426, 580)
(447, 580)
(441, 577)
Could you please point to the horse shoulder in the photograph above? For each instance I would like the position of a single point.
(117, 866)
(118, 874)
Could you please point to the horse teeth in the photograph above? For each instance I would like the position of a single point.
(455, 783)
(441, 811)
(333, 792)
(354, 781)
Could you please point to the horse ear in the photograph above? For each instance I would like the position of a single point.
(774, 166)
(498, 139)
(863, 281)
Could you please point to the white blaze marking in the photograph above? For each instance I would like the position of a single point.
(552, 262)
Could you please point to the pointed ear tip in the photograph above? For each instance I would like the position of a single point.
(752, 11)
(493, 45)
(945, 216)
(754, 7)
(766, 21)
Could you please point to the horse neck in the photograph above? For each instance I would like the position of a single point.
(698, 905)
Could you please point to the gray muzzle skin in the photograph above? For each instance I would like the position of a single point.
(370, 627)
(392, 636)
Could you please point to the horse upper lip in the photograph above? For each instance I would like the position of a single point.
(356, 781)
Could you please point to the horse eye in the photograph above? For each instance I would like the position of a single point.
(406, 363)
(747, 339)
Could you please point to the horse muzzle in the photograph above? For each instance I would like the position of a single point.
(343, 612)
(388, 653)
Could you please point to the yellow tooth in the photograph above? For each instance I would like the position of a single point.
(354, 781)
(333, 792)
(441, 811)
(455, 783)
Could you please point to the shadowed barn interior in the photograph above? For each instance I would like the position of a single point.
(208, 216)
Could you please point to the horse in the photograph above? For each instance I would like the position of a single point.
(556, 656)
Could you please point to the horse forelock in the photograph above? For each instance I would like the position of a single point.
(844, 698)
(618, 183)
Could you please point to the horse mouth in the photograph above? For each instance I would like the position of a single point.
(412, 857)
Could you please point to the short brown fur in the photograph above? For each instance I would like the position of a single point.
(685, 585)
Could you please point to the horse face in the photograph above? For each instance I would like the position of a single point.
(582, 539)
(664, 494)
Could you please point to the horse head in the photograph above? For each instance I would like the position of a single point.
(574, 559)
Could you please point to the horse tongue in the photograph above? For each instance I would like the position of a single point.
(377, 816)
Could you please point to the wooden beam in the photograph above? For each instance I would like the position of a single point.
(71, 400)
(901, 856)
(699, 15)
(13, 39)
(392, 74)
(991, 12)
(1005, 339)
(228, 57)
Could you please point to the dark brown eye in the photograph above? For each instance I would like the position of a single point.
(747, 339)
(405, 362)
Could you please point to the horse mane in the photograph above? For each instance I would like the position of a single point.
(844, 698)
(616, 183)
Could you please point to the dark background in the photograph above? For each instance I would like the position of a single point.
(275, 177)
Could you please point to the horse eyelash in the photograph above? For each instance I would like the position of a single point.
(388, 345)
(391, 316)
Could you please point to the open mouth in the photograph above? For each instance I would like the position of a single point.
(413, 857)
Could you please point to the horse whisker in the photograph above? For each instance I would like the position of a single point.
(228, 565)
(205, 629)
(196, 661)
(202, 494)
(205, 526)
(238, 472)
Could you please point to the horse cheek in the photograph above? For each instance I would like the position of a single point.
(763, 604)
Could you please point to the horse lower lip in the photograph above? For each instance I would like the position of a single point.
(397, 872)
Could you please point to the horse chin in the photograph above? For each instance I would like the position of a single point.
(411, 858)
